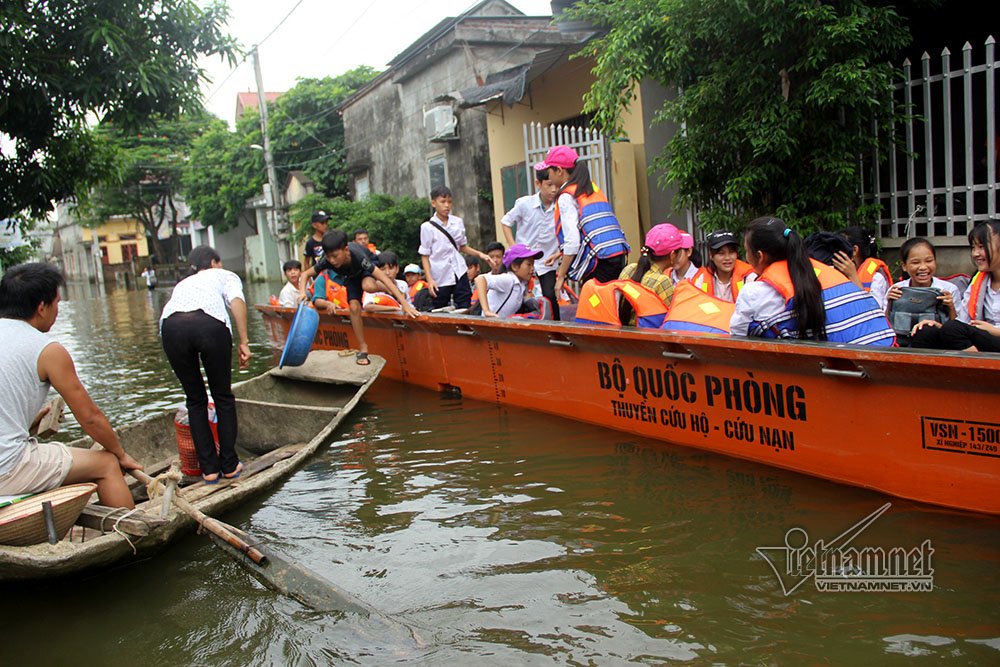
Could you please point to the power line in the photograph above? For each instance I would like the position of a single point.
(246, 55)
(281, 22)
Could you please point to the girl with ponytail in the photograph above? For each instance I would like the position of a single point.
(795, 297)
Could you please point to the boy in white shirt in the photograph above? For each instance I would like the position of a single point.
(289, 296)
(502, 294)
(442, 242)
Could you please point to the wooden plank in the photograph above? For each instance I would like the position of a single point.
(104, 519)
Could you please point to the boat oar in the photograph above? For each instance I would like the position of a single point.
(285, 576)
(221, 530)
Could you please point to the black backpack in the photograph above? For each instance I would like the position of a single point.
(914, 305)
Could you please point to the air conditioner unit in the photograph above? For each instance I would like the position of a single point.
(441, 124)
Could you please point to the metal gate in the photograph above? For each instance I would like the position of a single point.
(946, 178)
(589, 144)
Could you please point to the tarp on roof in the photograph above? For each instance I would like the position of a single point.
(508, 85)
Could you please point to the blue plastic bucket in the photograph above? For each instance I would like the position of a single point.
(300, 337)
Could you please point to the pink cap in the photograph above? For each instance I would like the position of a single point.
(687, 241)
(663, 239)
(559, 156)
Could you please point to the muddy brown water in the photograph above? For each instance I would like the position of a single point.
(502, 537)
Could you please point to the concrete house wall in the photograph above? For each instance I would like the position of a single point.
(384, 122)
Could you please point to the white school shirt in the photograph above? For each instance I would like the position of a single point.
(289, 297)
(536, 228)
(445, 259)
(880, 289)
(757, 301)
(688, 275)
(209, 290)
(569, 219)
(504, 293)
(991, 306)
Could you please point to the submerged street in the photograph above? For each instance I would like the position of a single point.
(501, 536)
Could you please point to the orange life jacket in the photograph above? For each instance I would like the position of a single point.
(868, 269)
(599, 303)
(693, 311)
(335, 293)
(416, 287)
(977, 305)
(383, 299)
(705, 279)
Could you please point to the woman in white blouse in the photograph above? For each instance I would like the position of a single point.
(196, 331)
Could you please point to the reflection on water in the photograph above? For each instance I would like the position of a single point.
(508, 537)
(115, 344)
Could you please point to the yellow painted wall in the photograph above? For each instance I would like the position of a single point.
(555, 96)
(111, 231)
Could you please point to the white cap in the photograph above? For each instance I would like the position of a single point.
(412, 268)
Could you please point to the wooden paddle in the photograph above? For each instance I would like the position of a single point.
(221, 530)
(282, 574)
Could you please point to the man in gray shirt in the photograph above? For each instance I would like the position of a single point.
(33, 362)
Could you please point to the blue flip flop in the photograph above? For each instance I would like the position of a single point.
(235, 474)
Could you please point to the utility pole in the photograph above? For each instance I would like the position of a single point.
(278, 224)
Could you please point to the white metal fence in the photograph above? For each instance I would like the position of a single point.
(589, 144)
(946, 178)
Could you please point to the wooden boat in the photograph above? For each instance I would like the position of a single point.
(284, 416)
(918, 425)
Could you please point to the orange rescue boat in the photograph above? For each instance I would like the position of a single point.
(918, 425)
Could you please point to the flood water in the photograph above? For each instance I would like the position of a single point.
(501, 537)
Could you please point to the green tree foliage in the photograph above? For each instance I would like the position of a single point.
(224, 172)
(393, 224)
(307, 130)
(63, 63)
(777, 98)
(307, 134)
(146, 181)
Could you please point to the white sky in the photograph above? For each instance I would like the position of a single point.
(324, 38)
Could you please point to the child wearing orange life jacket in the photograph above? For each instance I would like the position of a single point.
(347, 265)
(383, 301)
(416, 288)
(874, 274)
(362, 239)
(725, 273)
(592, 242)
(799, 298)
(663, 244)
(977, 327)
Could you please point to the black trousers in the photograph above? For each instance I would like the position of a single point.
(192, 340)
(955, 335)
(548, 284)
(461, 290)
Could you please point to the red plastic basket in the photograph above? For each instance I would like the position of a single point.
(185, 446)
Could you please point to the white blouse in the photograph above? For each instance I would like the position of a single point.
(209, 290)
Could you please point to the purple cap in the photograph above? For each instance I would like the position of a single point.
(520, 251)
(687, 241)
(559, 156)
(663, 239)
